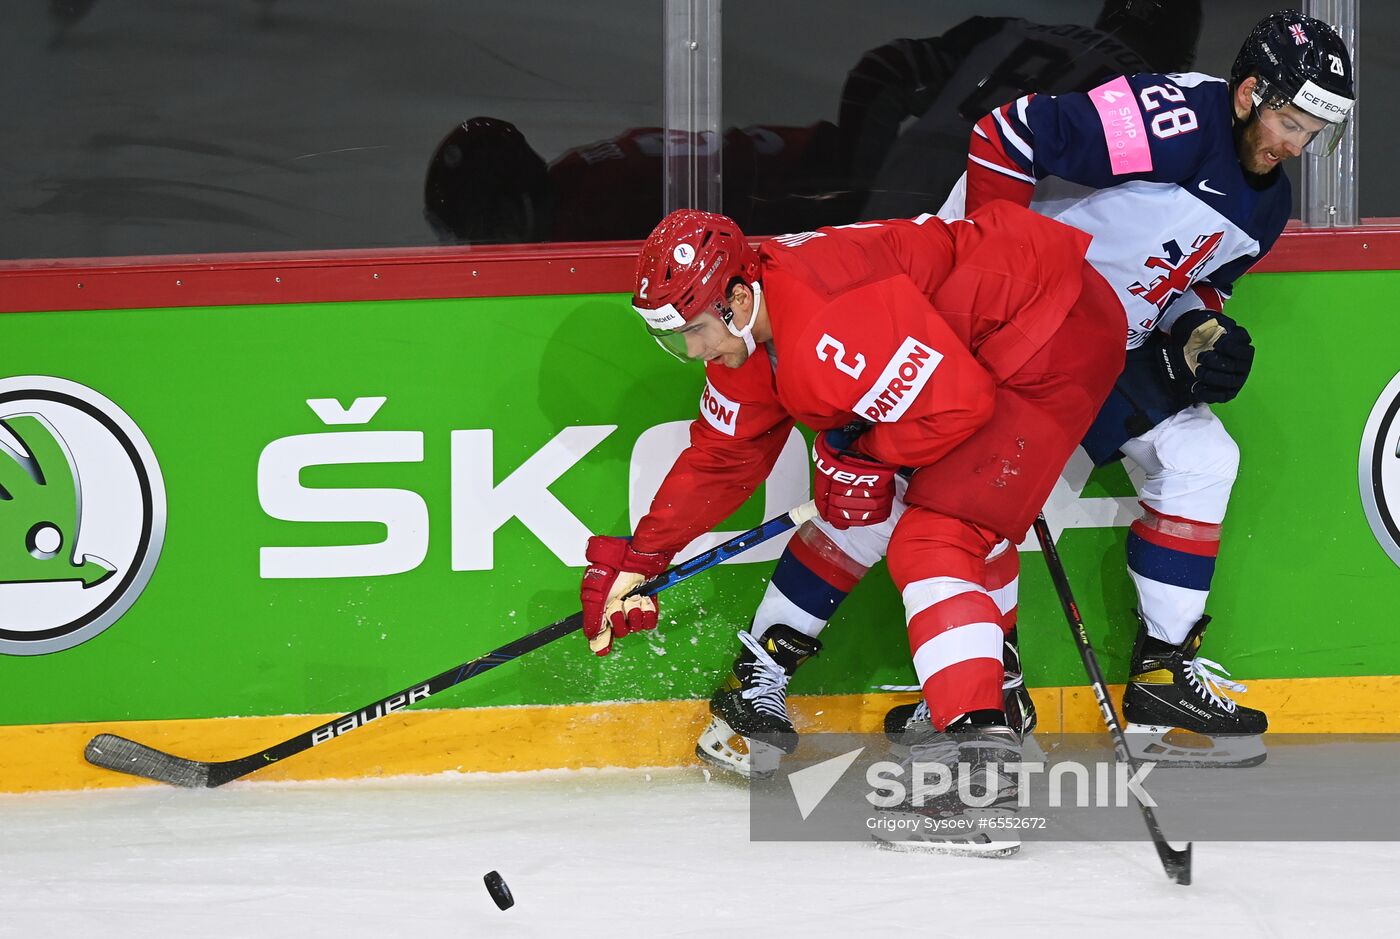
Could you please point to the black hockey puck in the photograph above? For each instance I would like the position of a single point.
(496, 886)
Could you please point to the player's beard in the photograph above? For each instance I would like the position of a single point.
(1249, 150)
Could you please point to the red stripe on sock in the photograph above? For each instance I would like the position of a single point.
(960, 610)
(1178, 533)
(827, 564)
(1194, 528)
(973, 685)
(1205, 549)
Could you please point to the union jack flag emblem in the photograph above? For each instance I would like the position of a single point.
(1299, 37)
(1181, 268)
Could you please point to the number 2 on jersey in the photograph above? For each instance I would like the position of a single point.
(829, 343)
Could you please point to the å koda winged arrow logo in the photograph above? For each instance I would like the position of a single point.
(82, 514)
(41, 508)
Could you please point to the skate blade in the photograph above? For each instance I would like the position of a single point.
(949, 849)
(913, 837)
(720, 746)
(1169, 746)
(919, 844)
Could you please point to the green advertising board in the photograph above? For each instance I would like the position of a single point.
(267, 510)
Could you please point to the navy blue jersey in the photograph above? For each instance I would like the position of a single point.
(1146, 164)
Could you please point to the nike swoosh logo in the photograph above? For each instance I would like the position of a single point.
(1204, 186)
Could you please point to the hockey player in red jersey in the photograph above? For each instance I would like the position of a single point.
(1201, 199)
(977, 352)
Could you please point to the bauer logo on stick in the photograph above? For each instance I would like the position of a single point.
(1379, 470)
(82, 514)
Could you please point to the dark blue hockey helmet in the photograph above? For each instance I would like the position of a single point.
(1301, 61)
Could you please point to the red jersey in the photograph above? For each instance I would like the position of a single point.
(907, 324)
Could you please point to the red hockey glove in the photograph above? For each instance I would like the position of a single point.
(851, 490)
(614, 569)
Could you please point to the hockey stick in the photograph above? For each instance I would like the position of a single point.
(114, 752)
(1177, 863)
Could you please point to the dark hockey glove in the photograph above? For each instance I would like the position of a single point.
(1207, 357)
(850, 489)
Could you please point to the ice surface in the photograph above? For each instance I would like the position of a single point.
(607, 853)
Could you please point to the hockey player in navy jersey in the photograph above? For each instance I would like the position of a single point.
(1177, 176)
(1179, 179)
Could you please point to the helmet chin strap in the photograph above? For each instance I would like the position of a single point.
(746, 333)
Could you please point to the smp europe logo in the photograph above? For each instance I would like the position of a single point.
(82, 514)
(1379, 469)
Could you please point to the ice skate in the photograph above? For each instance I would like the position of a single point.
(749, 728)
(976, 762)
(1177, 713)
(1016, 698)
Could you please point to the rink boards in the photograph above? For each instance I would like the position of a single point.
(281, 486)
(628, 734)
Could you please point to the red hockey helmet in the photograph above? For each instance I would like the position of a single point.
(685, 269)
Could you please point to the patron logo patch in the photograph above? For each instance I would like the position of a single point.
(900, 382)
(721, 413)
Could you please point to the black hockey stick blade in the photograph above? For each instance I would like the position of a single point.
(114, 752)
(111, 751)
(136, 759)
(1176, 862)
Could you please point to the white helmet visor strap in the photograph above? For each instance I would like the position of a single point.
(746, 333)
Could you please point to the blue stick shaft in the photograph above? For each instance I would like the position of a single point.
(718, 555)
